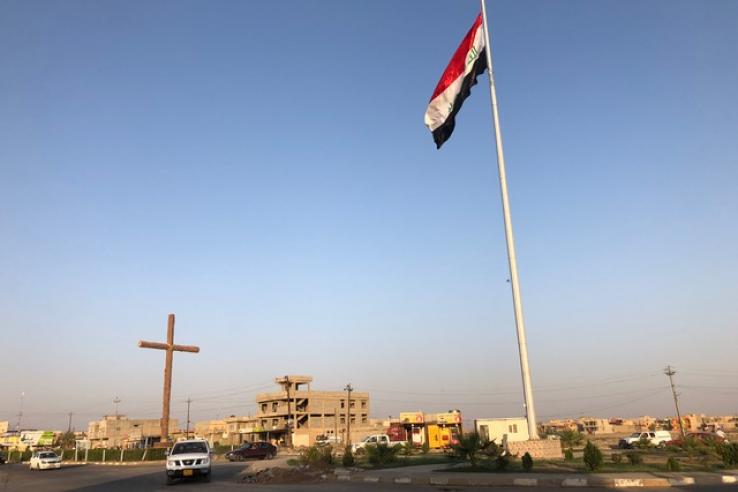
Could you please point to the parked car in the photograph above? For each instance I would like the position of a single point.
(260, 449)
(323, 440)
(189, 459)
(655, 438)
(44, 460)
(704, 437)
(374, 440)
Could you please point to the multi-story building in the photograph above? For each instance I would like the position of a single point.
(115, 431)
(232, 430)
(311, 413)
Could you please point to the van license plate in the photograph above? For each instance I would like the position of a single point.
(186, 473)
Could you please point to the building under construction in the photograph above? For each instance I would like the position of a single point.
(311, 414)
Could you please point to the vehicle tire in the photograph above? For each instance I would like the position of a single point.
(206, 478)
(170, 480)
(360, 452)
(661, 445)
(269, 455)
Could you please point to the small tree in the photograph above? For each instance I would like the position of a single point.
(348, 457)
(425, 448)
(570, 438)
(527, 462)
(592, 456)
(568, 454)
(66, 440)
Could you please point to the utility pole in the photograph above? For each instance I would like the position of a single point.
(288, 426)
(20, 412)
(348, 390)
(116, 400)
(69, 426)
(670, 372)
(187, 432)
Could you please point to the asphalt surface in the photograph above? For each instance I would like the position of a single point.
(152, 478)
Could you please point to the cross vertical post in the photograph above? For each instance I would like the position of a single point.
(170, 348)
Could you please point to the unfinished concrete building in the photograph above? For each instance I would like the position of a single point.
(312, 413)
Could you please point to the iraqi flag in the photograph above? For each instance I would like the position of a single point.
(456, 82)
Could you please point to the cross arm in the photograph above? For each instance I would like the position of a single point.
(153, 345)
(186, 348)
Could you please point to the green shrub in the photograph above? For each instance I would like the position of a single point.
(643, 443)
(407, 449)
(316, 457)
(616, 458)
(382, 454)
(527, 462)
(634, 457)
(569, 454)
(348, 457)
(592, 456)
(471, 446)
(728, 453)
(502, 462)
(673, 465)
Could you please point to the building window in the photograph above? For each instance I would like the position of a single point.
(513, 428)
(364, 420)
(353, 420)
(263, 423)
(352, 403)
(363, 403)
(343, 404)
(275, 422)
(263, 407)
(343, 420)
(275, 405)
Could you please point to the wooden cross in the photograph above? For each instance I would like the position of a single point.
(170, 347)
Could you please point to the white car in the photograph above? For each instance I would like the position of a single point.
(44, 460)
(656, 438)
(189, 459)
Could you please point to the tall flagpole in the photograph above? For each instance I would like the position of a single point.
(515, 283)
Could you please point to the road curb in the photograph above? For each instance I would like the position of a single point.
(502, 481)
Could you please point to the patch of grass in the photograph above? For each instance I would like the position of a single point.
(401, 461)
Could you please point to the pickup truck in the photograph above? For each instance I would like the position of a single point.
(374, 440)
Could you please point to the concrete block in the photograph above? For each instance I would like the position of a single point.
(525, 482)
(679, 481)
(627, 482)
(574, 482)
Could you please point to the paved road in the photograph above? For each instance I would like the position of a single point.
(152, 478)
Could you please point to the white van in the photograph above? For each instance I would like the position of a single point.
(656, 438)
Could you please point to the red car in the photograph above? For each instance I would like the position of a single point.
(261, 450)
(702, 437)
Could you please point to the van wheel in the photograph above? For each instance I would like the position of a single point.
(170, 480)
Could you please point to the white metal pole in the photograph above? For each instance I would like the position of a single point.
(515, 284)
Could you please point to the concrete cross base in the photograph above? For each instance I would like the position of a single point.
(546, 449)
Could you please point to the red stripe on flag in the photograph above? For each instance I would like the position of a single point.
(456, 66)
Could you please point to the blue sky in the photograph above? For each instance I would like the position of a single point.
(262, 170)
